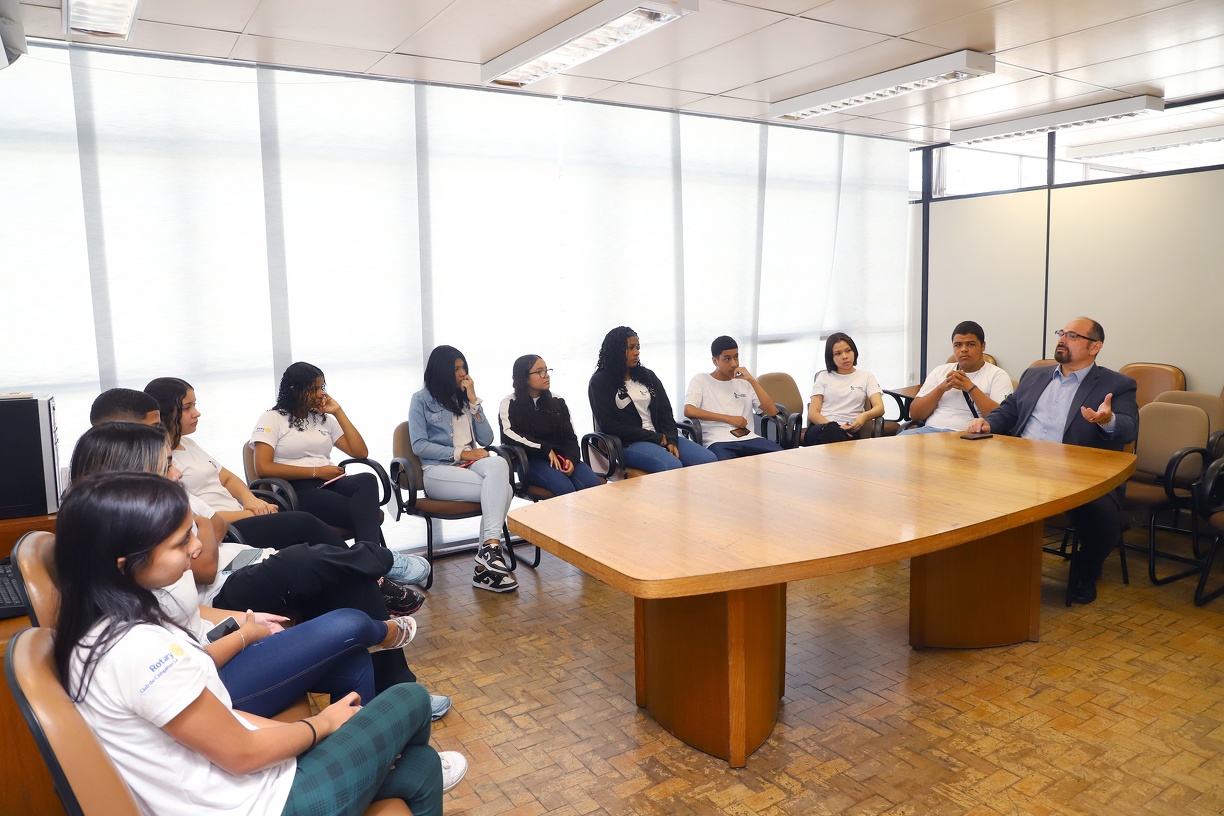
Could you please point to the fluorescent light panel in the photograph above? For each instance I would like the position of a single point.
(587, 34)
(917, 77)
(100, 18)
(1045, 122)
(1146, 144)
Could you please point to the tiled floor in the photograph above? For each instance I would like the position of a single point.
(1119, 709)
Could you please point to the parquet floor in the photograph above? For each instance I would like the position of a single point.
(1119, 709)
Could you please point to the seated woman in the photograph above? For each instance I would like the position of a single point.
(629, 402)
(449, 429)
(294, 441)
(153, 697)
(836, 412)
(305, 580)
(257, 520)
(539, 420)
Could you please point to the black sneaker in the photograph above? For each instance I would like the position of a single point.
(490, 557)
(493, 581)
(400, 599)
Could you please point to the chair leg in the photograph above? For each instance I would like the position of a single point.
(1201, 596)
(1196, 564)
(514, 559)
(429, 551)
(1122, 558)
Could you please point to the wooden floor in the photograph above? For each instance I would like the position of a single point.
(1119, 709)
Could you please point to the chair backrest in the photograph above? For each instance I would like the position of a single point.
(34, 560)
(1043, 363)
(1164, 429)
(1153, 379)
(782, 389)
(401, 448)
(248, 462)
(1212, 405)
(987, 357)
(87, 781)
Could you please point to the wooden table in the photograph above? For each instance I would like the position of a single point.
(707, 553)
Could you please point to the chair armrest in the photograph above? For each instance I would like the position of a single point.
(1209, 492)
(778, 425)
(1171, 482)
(608, 447)
(272, 497)
(384, 481)
(282, 492)
(690, 428)
(403, 477)
(232, 534)
(516, 458)
(1215, 444)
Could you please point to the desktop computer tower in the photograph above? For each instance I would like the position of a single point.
(29, 457)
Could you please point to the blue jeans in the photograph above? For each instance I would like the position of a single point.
(548, 477)
(743, 447)
(654, 458)
(485, 480)
(326, 655)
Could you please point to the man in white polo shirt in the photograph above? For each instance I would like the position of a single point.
(958, 392)
(725, 402)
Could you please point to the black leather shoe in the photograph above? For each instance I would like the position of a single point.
(1083, 592)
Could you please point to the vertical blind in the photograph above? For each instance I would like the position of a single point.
(173, 217)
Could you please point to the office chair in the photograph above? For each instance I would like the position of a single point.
(1212, 405)
(1152, 379)
(1209, 504)
(408, 484)
(788, 426)
(1170, 458)
(33, 562)
(86, 780)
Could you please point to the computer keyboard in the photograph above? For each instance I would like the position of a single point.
(11, 605)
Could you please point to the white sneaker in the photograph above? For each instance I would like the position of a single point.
(407, 631)
(454, 766)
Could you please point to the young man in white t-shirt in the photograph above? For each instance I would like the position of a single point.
(725, 401)
(956, 393)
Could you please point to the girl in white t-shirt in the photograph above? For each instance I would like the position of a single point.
(294, 441)
(838, 411)
(153, 698)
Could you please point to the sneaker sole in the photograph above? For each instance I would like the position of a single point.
(476, 582)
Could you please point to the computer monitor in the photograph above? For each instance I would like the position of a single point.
(29, 457)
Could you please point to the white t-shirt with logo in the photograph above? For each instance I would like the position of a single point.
(735, 397)
(845, 395)
(310, 446)
(202, 477)
(145, 680)
(641, 397)
(952, 411)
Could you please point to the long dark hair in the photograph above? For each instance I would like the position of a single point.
(440, 378)
(291, 396)
(521, 405)
(169, 393)
(834, 339)
(612, 352)
(118, 446)
(105, 518)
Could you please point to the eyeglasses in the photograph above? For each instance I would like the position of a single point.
(1070, 335)
(542, 372)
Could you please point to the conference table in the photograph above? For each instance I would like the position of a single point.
(707, 551)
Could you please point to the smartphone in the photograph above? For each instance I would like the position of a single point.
(739, 431)
(225, 627)
(248, 556)
(329, 481)
(977, 436)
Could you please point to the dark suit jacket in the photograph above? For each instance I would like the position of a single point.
(1012, 414)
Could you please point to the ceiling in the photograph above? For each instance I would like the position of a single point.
(734, 57)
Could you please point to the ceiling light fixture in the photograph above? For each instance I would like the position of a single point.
(917, 77)
(587, 34)
(1146, 144)
(100, 18)
(1045, 122)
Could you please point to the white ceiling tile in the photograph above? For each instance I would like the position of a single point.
(42, 21)
(479, 30)
(223, 15)
(270, 51)
(1165, 62)
(768, 52)
(1182, 86)
(725, 106)
(171, 39)
(873, 127)
(896, 17)
(569, 86)
(921, 135)
(646, 95)
(427, 70)
(715, 24)
(375, 25)
(785, 6)
(1160, 29)
(1022, 22)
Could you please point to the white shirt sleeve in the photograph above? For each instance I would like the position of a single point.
(694, 394)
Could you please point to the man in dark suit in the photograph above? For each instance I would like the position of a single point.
(1079, 403)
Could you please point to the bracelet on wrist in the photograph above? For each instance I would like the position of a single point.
(314, 735)
(242, 637)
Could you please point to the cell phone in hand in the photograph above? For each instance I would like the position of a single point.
(225, 627)
(739, 431)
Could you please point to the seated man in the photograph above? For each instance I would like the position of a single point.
(959, 392)
(724, 400)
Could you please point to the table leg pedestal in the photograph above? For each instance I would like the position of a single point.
(711, 668)
(983, 593)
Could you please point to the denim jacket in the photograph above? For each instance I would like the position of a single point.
(429, 427)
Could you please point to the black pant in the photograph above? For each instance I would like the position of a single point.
(1099, 526)
(281, 530)
(350, 502)
(306, 580)
(826, 433)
